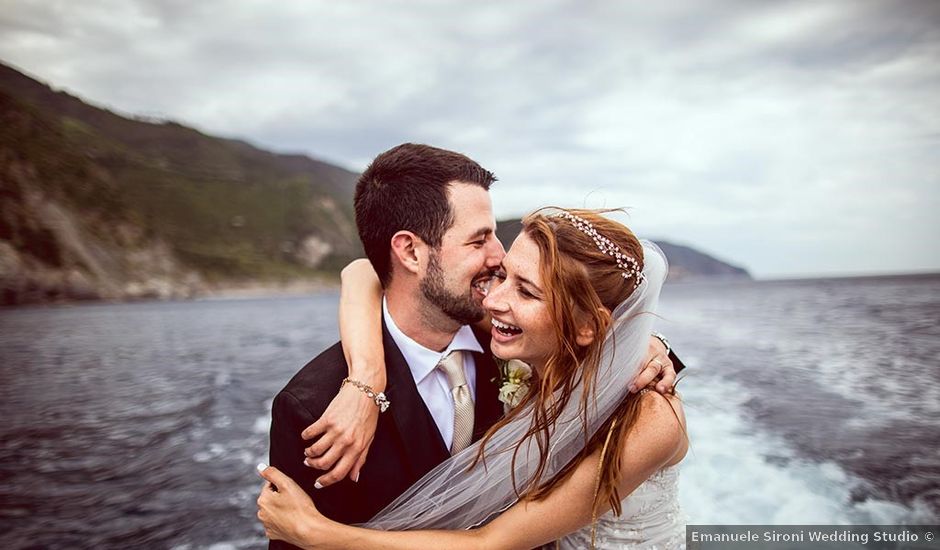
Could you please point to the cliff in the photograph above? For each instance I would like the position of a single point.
(100, 206)
(96, 205)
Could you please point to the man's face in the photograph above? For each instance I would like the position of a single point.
(459, 271)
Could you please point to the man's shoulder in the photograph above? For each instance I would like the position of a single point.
(320, 378)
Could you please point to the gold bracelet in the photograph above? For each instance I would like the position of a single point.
(381, 401)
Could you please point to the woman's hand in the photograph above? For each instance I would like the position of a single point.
(286, 511)
(346, 431)
(657, 365)
(346, 428)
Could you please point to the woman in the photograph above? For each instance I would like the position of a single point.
(578, 440)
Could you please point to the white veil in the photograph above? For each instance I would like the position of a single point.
(451, 497)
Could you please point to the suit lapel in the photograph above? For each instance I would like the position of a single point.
(422, 443)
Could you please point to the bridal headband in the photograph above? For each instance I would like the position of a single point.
(627, 264)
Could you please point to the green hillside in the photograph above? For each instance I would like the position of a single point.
(96, 205)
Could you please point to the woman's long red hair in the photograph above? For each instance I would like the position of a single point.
(582, 286)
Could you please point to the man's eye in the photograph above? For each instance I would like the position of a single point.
(481, 242)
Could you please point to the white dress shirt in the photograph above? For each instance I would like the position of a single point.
(432, 382)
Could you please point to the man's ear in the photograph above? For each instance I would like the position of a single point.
(408, 251)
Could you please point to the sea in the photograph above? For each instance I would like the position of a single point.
(139, 425)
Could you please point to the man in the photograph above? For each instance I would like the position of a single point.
(426, 222)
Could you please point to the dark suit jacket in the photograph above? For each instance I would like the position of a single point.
(676, 362)
(407, 443)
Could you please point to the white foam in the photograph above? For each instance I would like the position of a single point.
(214, 451)
(736, 474)
(262, 424)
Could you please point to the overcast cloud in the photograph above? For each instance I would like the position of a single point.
(793, 138)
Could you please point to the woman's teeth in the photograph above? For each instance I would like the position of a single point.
(506, 329)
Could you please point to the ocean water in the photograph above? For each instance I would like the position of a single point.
(139, 425)
(810, 401)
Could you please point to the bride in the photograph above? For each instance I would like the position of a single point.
(580, 459)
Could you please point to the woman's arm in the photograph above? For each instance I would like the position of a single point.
(657, 440)
(347, 426)
(360, 323)
(288, 514)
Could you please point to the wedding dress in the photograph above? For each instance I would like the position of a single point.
(651, 519)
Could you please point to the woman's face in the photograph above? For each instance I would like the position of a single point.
(522, 326)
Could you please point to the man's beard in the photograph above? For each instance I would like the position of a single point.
(461, 308)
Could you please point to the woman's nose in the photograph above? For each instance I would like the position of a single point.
(494, 298)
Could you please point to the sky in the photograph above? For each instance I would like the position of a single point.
(790, 138)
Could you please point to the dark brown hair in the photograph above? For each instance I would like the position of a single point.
(405, 188)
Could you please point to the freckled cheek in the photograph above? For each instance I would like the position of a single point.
(538, 330)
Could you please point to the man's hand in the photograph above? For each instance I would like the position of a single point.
(657, 365)
(346, 431)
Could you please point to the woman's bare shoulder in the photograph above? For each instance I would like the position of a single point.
(661, 423)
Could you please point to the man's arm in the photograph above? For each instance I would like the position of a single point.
(288, 419)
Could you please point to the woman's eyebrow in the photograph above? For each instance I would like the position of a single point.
(528, 282)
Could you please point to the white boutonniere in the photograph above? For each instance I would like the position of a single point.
(514, 381)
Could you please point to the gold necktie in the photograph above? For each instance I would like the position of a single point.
(452, 365)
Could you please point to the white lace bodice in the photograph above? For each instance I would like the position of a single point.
(651, 519)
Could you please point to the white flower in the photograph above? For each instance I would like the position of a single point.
(518, 371)
(507, 393)
(515, 382)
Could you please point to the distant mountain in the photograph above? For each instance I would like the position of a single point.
(685, 263)
(98, 205)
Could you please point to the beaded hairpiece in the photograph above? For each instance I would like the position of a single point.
(627, 264)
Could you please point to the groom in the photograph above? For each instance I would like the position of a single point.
(426, 222)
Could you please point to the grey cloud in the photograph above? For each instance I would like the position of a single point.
(739, 126)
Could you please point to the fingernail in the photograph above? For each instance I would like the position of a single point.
(356, 479)
(317, 485)
(307, 463)
(261, 467)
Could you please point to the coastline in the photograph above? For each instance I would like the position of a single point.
(229, 290)
(287, 289)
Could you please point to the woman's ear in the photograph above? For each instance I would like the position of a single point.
(407, 251)
(586, 333)
(585, 336)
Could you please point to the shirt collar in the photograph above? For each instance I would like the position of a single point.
(421, 360)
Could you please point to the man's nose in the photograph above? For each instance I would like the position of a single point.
(494, 253)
